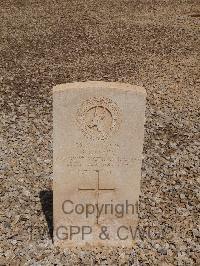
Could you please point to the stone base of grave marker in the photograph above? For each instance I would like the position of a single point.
(98, 139)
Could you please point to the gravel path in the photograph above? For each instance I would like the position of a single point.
(148, 43)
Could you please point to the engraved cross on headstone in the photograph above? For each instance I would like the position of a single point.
(97, 188)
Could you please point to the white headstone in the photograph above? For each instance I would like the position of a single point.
(98, 140)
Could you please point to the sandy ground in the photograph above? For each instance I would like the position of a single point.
(148, 43)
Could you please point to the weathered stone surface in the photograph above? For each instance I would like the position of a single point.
(98, 138)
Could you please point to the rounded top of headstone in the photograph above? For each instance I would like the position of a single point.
(101, 84)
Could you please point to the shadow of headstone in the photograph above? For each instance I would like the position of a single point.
(46, 199)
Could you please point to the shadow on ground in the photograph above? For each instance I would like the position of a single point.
(46, 199)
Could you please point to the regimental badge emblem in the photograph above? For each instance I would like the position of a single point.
(99, 118)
